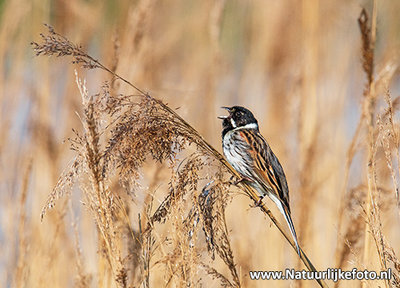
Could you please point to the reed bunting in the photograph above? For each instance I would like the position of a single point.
(250, 155)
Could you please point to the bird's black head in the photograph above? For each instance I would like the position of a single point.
(238, 117)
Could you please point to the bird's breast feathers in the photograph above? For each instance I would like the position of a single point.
(237, 152)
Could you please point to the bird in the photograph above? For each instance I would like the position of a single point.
(247, 151)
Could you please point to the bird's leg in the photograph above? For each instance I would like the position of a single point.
(240, 180)
(258, 202)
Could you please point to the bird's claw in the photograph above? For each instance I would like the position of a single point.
(259, 201)
(238, 181)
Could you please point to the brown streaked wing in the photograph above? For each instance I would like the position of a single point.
(267, 169)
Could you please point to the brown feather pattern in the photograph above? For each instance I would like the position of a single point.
(267, 168)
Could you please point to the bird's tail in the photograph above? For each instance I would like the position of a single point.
(289, 221)
(286, 213)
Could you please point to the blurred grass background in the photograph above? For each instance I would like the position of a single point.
(295, 64)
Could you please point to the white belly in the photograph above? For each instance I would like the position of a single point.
(235, 153)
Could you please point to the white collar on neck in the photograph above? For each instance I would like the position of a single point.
(233, 123)
(247, 126)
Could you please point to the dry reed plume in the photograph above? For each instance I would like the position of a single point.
(140, 127)
(366, 202)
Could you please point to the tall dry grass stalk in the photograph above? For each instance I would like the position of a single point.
(368, 36)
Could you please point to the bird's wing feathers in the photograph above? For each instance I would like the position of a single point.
(268, 173)
(267, 169)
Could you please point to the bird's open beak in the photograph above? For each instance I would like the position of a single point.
(224, 117)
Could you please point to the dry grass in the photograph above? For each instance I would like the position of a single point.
(137, 195)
